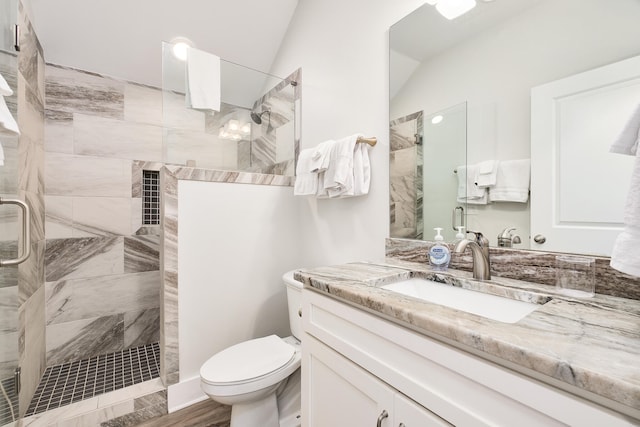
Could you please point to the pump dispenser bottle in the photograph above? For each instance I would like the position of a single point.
(439, 254)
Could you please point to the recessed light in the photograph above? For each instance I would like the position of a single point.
(451, 9)
(180, 47)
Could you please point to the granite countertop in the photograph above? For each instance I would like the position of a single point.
(592, 344)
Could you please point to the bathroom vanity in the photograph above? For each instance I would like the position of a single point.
(372, 356)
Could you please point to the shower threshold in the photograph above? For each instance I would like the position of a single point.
(75, 381)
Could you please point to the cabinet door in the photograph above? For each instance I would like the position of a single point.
(409, 414)
(340, 393)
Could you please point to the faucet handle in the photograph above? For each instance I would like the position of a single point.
(506, 233)
(507, 239)
(479, 238)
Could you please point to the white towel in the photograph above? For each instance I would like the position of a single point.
(5, 89)
(306, 182)
(321, 156)
(8, 125)
(361, 170)
(628, 140)
(625, 256)
(338, 178)
(467, 190)
(487, 172)
(203, 80)
(512, 181)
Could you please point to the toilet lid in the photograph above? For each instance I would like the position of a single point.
(247, 360)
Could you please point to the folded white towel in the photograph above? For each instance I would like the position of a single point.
(625, 256)
(361, 170)
(5, 89)
(321, 193)
(512, 181)
(629, 139)
(203, 80)
(321, 156)
(487, 171)
(338, 178)
(8, 125)
(468, 192)
(306, 182)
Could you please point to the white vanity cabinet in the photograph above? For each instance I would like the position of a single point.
(356, 365)
(340, 393)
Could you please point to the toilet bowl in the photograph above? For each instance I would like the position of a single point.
(252, 375)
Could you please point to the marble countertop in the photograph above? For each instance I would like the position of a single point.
(592, 344)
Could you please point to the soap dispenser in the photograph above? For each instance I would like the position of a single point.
(439, 254)
(460, 235)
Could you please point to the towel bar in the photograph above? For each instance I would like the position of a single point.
(371, 141)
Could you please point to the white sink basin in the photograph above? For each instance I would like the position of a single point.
(487, 305)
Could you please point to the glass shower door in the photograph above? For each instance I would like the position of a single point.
(10, 222)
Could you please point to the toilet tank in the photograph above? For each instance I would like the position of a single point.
(294, 301)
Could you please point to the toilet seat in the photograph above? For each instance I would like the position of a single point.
(249, 366)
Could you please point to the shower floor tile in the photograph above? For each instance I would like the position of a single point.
(8, 409)
(71, 382)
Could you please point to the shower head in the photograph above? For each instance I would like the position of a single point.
(257, 118)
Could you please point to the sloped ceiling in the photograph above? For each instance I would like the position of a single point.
(122, 38)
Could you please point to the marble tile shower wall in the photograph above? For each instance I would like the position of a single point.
(271, 151)
(101, 266)
(192, 136)
(405, 175)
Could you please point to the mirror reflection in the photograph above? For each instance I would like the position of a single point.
(491, 58)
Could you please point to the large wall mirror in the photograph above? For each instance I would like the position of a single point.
(461, 96)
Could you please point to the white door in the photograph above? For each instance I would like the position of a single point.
(578, 188)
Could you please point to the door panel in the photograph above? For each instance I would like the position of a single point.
(579, 188)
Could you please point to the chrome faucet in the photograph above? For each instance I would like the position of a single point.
(506, 239)
(480, 253)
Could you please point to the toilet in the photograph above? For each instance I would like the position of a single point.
(260, 378)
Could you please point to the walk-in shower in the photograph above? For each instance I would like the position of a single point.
(81, 317)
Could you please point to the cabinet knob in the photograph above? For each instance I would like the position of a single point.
(539, 238)
(381, 418)
(299, 312)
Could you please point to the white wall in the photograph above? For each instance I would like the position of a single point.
(342, 47)
(234, 243)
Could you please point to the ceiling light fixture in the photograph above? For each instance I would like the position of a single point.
(180, 47)
(451, 9)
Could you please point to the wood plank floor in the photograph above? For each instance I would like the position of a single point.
(203, 414)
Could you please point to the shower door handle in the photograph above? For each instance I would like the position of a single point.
(25, 242)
